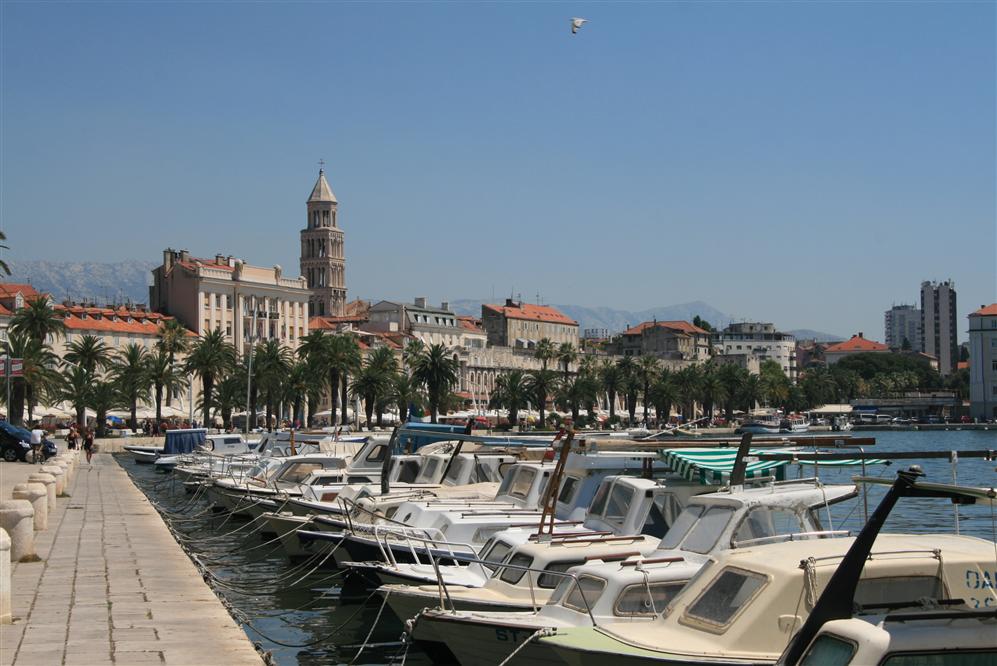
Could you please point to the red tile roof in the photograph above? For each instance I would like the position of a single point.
(194, 262)
(962, 365)
(11, 289)
(680, 326)
(470, 323)
(987, 311)
(143, 322)
(530, 312)
(4, 312)
(856, 344)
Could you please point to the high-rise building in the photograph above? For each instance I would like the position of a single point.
(939, 335)
(322, 260)
(903, 322)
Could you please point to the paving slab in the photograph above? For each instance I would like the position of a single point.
(110, 571)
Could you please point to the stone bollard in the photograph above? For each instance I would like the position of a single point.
(67, 472)
(49, 482)
(38, 496)
(5, 614)
(60, 477)
(18, 518)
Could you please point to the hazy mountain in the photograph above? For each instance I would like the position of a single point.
(87, 280)
(616, 320)
(810, 334)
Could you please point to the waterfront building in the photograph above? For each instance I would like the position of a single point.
(810, 353)
(939, 335)
(429, 324)
(117, 326)
(762, 342)
(857, 344)
(228, 294)
(323, 262)
(671, 340)
(523, 325)
(983, 362)
(902, 323)
(14, 296)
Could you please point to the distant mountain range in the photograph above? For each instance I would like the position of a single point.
(119, 282)
(128, 281)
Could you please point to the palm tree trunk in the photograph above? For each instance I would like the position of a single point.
(298, 402)
(513, 418)
(647, 390)
(380, 415)
(612, 404)
(133, 421)
(312, 408)
(269, 402)
(345, 396)
(102, 423)
(159, 404)
(368, 408)
(207, 384)
(81, 416)
(16, 406)
(333, 394)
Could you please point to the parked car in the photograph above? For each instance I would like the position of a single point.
(15, 443)
(930, 418)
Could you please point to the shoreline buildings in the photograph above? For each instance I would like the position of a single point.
(939, 335)
(902, 323)
(983, 362)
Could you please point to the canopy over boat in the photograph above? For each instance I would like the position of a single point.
(714, 466)
(183, 441)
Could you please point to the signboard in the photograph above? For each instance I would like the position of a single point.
(16, 366)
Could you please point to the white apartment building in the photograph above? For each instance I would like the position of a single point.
(902, 322)
(431, 325)
(983, 362)
(761, 341)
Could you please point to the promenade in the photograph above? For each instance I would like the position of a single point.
(112, 586)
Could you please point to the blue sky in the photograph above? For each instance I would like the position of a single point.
(802, 163)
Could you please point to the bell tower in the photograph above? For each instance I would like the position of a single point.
(322, 262)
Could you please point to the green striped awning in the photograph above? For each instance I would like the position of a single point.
(713, 466)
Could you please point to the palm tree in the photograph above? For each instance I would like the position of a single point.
(211, 358)
(39, 372)
(542, 384)
(302, 384)
(104, 396)
(349, 360)
(163, 377)
(712, 390)
(370, 384)
(686, 382)
(38, 321)
(663, 395)
(647, 368)
(90, 353)
(751, 392)
(130, 372)
(229, 396)
(313, 350)
(566, 355)
(75, 389)
(174, 339)
(733, 378)
(436, 371)
(404, 391)
(413, 350)
(545, 351)
(511, 392)
(384, 360)
(575, 392)
(612, 381)
(270, 366)
(3, 264)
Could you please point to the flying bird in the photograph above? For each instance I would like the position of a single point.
(577, 23)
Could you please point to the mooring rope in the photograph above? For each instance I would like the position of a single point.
(539, 632)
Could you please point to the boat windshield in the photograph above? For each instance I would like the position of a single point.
(698, 528)
(494, 553)
(456, 471)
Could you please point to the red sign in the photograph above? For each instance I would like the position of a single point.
(16, 366)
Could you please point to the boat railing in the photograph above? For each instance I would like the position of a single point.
(411, 538)
(795, 536)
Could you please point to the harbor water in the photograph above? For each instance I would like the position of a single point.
(301, 617)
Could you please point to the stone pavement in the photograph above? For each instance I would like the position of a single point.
(113, 587)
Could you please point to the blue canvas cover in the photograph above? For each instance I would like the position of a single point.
(183, 441)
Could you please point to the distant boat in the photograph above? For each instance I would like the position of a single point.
(760, 425)
(794, 423)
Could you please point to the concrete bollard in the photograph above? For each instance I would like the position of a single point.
(38, 496)
(67, 472)
(5, 614)
(18, 518)
(49, 482)
(60, 477)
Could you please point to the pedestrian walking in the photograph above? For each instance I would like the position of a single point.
(88, 444)
(73, 437)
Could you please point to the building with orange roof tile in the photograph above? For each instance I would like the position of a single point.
(116, 326)
(523, 325)
(666, 340)
(857, 344)
(429, 324)
(243, 301)
(983, 363)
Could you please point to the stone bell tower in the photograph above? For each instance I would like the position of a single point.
(322, 261)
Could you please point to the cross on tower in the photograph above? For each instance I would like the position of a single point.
(321, 165)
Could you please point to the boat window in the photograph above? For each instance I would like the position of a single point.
(522, 482)
(663, 510)
(506, 481)
(455, 471)
(890, 589)
(495, 554)
(619, 502)
(828, 650)
(429, 469)
(568, 488)
(390, 512)
(481, 473)
(685, 522)
(326, 480)
(704, 534)
(765, 521)
(377, 455)
(635, 599)
(584, 593)
(409, 471)
(954, 657)
(558, 593)
(550, 581)
(513, 576)
(599, 501)
(297, 472)
(729, 593)
(359, 479)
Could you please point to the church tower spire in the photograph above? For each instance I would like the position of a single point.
(322, 260)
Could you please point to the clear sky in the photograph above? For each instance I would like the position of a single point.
(803, 163)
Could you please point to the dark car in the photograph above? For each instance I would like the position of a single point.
(15, 443)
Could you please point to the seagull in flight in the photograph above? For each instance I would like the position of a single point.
(576, 24)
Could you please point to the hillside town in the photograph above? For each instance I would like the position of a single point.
(221, 338)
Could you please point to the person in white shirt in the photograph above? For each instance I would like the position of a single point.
(37, 435)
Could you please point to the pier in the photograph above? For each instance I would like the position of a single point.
(112, 585)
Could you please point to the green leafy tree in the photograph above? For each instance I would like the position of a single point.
(712, 390)
(647, 368)
(702, 323)
(104, 396)
(302, 385)
(775, 384)
(174, 339)
(386, 363)
(164, 378)
(230, 394)
(566, 355)
(75, 389)
(541, 384)
(370, 385)
(39, 373)
(545, 351)
(404, 393)
(512, 392)
(751, 393)
(687, 384)
(90, 353)
(130, 372)
(436, 370)
(574, 392)
(733, 378)
(663, 395)
(211, 358)
(4, 268)
(271, 366)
